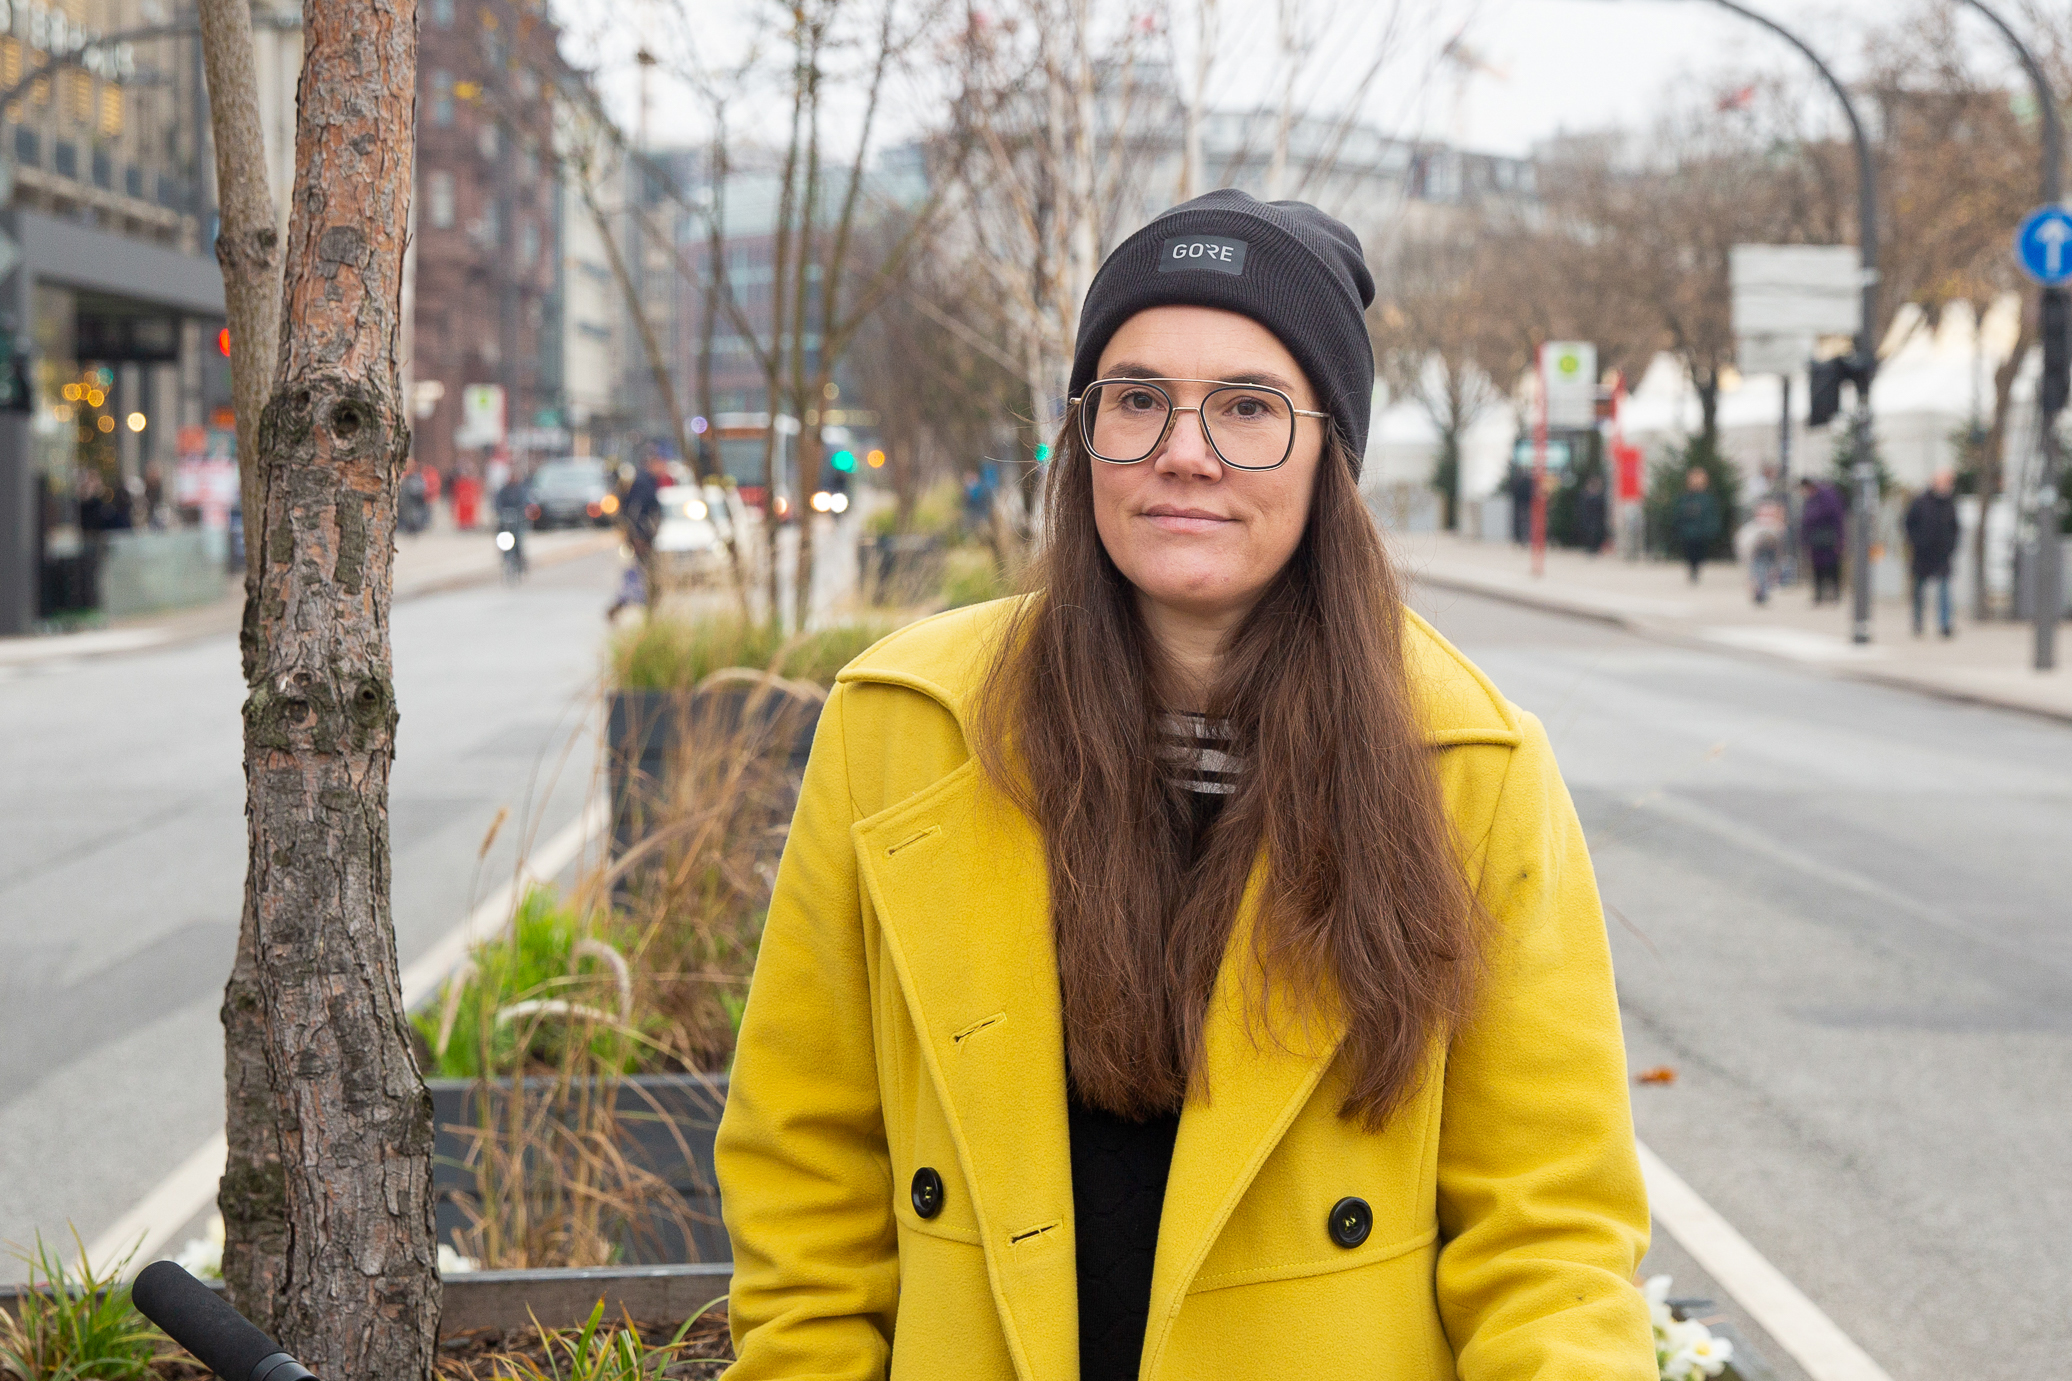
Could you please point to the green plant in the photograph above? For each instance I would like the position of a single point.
(596, 1353)
(938, 512)
(1666, 479)
(74, 1328)
(972, 575)
(523, 997)
(1843, 463)
(675, 654)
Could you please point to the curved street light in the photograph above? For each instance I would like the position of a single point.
(1865, 364)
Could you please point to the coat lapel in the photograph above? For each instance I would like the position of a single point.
(956, 875)
(1256, 1084)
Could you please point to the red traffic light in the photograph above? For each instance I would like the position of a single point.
(223, 342)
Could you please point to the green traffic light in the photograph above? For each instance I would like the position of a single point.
(845, 461)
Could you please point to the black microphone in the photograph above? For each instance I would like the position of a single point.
(220, 1338)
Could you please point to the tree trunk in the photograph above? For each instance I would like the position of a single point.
(360, 1290)
(248, 249)
(1993, 464)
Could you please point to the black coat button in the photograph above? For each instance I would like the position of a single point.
(1351, 1219)
(927, 1193)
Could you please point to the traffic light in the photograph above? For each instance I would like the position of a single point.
(1824, 384)
(1042, 454)
(844, 461)
(2057, 349)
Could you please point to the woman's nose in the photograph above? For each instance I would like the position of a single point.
(1187, 449)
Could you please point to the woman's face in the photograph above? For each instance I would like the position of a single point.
(1197, 538)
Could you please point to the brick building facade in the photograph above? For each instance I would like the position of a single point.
(485, 307)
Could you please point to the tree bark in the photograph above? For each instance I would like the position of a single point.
(359, 1291)
(248, 249)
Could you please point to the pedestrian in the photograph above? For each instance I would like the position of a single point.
(1593, 515)
(1131, 939)
(1760, 543)
(1697, 519)
(1521, 504)
(640, 518)
(1931, 524)
(1822, 515)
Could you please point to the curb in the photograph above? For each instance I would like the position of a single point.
(1676, 637)
(212, 620)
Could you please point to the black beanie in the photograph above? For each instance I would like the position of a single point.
(1285, 264)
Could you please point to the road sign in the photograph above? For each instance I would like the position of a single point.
(1772, 354)
(1795, 290)
(1568, 372)
(2044, 245)
(1557, 453)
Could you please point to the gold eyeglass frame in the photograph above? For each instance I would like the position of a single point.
(1173, 411)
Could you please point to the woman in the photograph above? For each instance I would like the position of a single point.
(1193, 970)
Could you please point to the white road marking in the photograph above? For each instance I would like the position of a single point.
(1797, 1323)
(150, 1224)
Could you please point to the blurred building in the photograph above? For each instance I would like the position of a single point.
(487, 362)
(116, 444)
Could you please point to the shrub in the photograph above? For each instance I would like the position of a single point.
(523, 997)
(75, 1328)
(675, 654)
(972, 575)
(1666, 486)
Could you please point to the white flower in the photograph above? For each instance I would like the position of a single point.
(203, 1256)
(1657, 1292)
(452, 1262)
(1685, 1350)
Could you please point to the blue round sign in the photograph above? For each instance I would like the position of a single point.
(2044, 245)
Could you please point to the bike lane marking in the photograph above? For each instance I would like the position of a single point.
(191, 1188)
(1799, 1325)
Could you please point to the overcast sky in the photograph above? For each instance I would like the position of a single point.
(1548, 65)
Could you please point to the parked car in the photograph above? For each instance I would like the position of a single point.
(572, 491)
(688, 540)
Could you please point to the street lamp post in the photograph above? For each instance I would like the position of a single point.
(2056, 318)
(1864, 472)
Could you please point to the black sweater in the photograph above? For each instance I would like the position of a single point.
(1119, 1167)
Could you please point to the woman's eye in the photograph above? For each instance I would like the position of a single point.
(1138, 400)
(1245, 407)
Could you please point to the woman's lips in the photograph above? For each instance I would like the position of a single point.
(1167, 518)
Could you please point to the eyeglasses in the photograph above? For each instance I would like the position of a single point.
(1248, 426)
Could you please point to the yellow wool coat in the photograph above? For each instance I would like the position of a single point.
(904, 1017)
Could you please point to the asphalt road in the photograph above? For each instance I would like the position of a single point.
(1840, 914)
(122, 854)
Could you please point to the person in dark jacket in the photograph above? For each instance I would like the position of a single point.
(1697, 519)
(1593, 517)
(1822, 516)
(1521, 485)
(1932, 539)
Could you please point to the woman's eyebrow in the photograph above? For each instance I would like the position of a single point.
(1264, 378)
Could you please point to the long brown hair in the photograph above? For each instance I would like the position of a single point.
(1366, 915)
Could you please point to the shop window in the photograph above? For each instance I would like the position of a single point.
(28, 147)
(67, 158)
(104, 170)
(133, 181)
(172, 191)
(111, 111)
(438, 199)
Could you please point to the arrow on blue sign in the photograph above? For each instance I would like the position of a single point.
(2044, 245)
